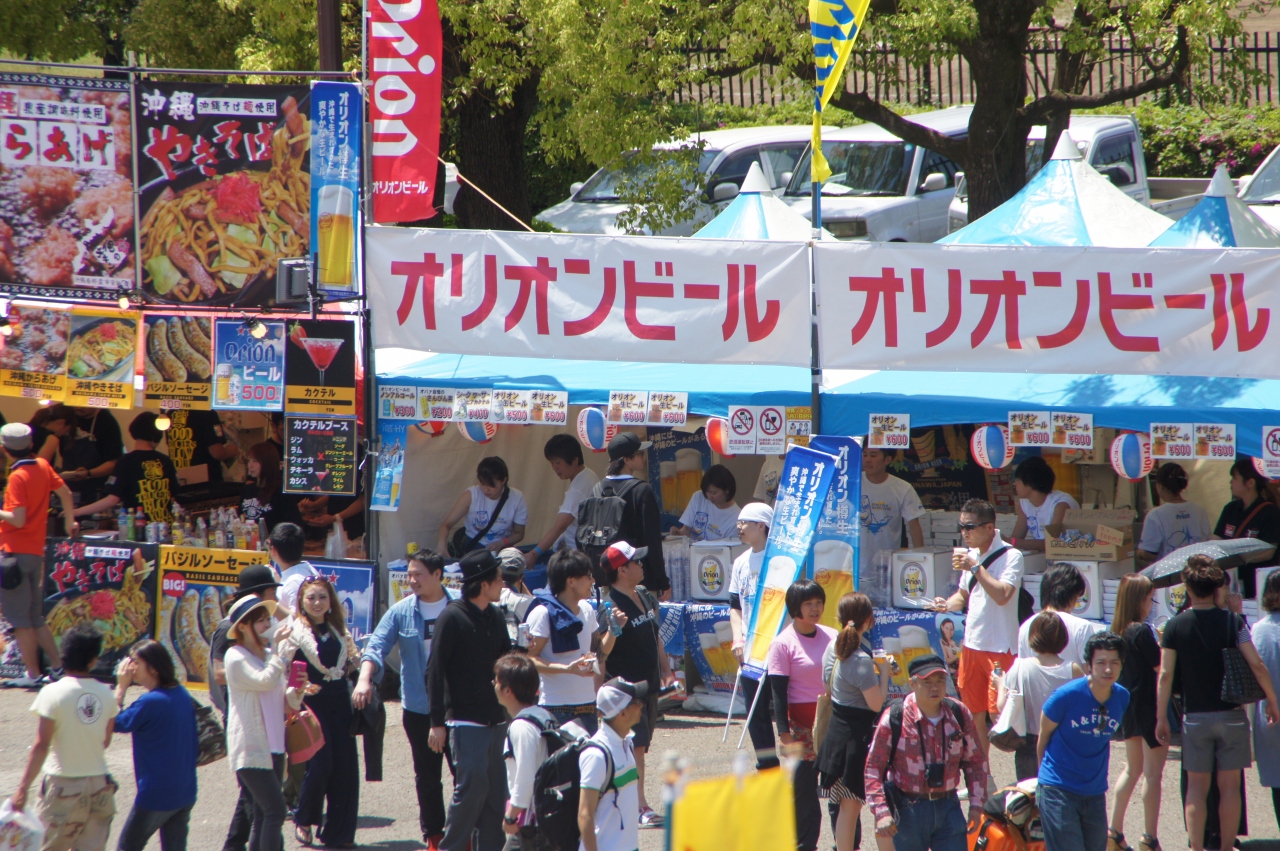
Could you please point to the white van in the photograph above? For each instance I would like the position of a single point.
(882, 188)
(593, 206)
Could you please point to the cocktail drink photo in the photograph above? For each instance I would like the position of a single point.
(322, 351)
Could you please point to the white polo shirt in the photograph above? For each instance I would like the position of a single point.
(618, 811)
(989, 627)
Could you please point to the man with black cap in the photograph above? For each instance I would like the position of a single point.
(470, 636)
(641, 519)
(516, 596)
(935, 739)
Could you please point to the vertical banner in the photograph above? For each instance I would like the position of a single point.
(904, 635)
(677, 460)
(336, 118)
(248, 372)
(708, 644)
(405, 51)
(802, 493)
(836, 539)
(33, 362)
(178, 362)
(102, 352)
(320, 367)
(392, 437)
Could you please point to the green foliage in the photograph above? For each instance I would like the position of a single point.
(1184, 141)
(63, 30)
(188, 33)
(661, 188)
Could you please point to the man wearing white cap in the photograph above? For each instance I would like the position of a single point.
(24, 523)
(753, 529)
(609, 797)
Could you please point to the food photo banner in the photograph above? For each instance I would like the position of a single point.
(1048, 310)
(589, 297)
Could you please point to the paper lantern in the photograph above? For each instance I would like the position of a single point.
(432, 428)
(718, 436)
(990, 447)
(1270, 472)
(594, 432)
(478, 432)
(1131, 455)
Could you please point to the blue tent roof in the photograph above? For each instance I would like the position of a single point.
(759, 214)
(1116, 401)
(711, 388)
(1220, 219)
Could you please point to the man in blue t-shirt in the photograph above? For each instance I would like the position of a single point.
(1075, 747)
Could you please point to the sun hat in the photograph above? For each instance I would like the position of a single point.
(241, 608)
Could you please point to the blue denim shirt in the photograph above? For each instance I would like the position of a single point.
(402, 624)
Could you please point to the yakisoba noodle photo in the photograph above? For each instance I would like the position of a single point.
(211, 240)
(101, 348)
(123, 616)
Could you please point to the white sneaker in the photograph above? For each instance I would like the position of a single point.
(25, 681)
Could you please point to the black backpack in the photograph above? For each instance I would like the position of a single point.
(555, 792)
(600, 521)
(895, 721)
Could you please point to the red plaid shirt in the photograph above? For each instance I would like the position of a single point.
(960, 747)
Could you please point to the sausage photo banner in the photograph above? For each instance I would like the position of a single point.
(1141, 311)
(589, 297)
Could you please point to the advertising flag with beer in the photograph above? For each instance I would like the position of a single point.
(802, 493)
(337, 110)
(833, 25)
(836, 539)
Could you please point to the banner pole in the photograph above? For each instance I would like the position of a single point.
(732, 699)
(746, 724)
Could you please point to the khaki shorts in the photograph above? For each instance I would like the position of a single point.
(76, 812)
(23, 606)
(1216, 741)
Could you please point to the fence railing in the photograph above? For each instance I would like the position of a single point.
(885, 75)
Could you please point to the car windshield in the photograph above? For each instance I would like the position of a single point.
(604, 184)
(1035, 151)
(859, 168)
(1265, 185)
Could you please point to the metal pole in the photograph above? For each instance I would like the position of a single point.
(751, 711)
(737, 680)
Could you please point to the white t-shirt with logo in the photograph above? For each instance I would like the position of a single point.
(1172, 525)
(429, 613)
(514, 513)
(1038, 519)
(746, 573)
(989, 627)
(708, 522)
(1079, 631)
(79, 709)
(579, 489)
(885, 508)
(564, 689)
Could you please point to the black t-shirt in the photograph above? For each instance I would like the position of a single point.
(635, 652)
(95, 441)
(189, 439)
(1264, 525)
(1141, 658)
(146, 479)
(280, 508)
(1198, 636)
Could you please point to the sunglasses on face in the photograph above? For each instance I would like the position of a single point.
(969, 527)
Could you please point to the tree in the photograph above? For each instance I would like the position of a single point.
(66, 30)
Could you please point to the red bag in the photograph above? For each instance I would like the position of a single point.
(302, 737)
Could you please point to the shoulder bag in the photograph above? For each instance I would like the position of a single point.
(822, 714)
(302, 737)
(1239, 685)
(212, 740)
(461, 543)
(1010, 731)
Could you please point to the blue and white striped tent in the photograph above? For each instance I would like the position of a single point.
(1066, 203)
(1220, 220)
(759, 214)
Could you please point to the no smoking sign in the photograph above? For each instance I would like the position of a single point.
(757, 430)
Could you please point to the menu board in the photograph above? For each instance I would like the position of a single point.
(66, 179)
(320, 367)
(248, 371)
(225, 190)
(104, 583)
(178, 362)
(102, 352)
(320, 455)
(196, 587)
(33, 362)
(1030, 428)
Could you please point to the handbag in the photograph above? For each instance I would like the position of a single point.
(461, 543)
(1010, 731)
(212, 740)
(822, 713)
(302, 737)
(1239, 685)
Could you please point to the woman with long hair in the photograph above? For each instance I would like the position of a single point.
(795, 675)
(263, 497)
(166, 745)
(330, 793)
(1144, 755)
(858, 691)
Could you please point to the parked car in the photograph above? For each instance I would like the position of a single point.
(1112, 144)
(882, 188)
(593, 206)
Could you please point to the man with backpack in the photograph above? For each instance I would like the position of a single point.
(611, 787)
(989, 590)
(920, 745)
(625, 508)
(515, 681)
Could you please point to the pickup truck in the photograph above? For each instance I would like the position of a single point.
(1112, 144)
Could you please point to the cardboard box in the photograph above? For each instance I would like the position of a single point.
(920, 575)
(1095, 574)
(710, 567)
(1032, 563)
(1110, 528)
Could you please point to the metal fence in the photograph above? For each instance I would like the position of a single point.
(885, 75)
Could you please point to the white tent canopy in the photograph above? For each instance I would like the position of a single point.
(759, 214)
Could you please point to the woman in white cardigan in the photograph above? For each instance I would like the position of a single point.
(256, 698)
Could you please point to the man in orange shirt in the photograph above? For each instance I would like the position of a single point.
(24, 525)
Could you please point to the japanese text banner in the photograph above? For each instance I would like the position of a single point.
(1048, 310)
(589, 297)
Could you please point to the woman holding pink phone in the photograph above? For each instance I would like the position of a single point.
(330, 796)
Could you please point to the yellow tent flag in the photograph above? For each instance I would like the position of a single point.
(833, 25)
(766, 813)
(705, 817)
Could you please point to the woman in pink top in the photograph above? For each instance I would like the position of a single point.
(795, 674)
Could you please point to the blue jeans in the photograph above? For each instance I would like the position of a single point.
(932, 826)
(1072, 822)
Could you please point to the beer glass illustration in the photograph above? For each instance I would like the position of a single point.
(670, 485)
(781, 572)
(915, 643)
(893, 648)
(689, 475)
(724, 633)
(710, 643)
(336, 235)
(833, 570)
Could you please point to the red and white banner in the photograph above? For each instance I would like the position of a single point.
(405, 48)
(589, 297)
(1049, 310)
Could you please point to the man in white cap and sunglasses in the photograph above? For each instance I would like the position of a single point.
(609, 797)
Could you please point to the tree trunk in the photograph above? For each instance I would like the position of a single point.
(491, 152)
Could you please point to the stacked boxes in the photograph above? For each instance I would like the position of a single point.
(941, 528)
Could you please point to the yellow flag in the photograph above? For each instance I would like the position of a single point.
(833, 25)
(757, 814)
(766, 813)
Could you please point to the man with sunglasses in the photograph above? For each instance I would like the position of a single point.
(989, 588)
(1075, 749)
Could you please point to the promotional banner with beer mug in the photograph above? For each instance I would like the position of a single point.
(835, 541)
(900, 636)
(802, 493)
(389, 473)
(336, 113)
